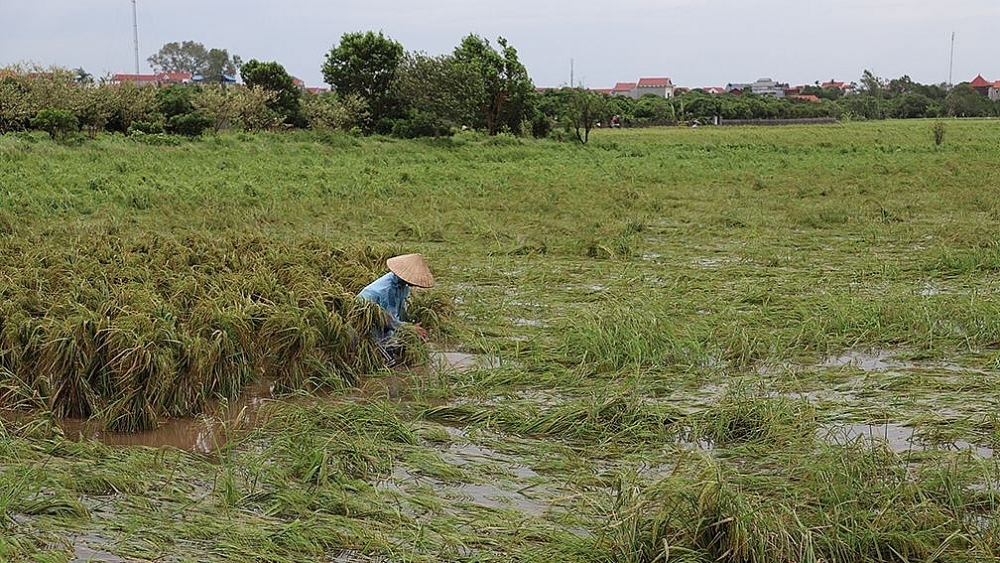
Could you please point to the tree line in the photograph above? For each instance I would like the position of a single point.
(377, 87)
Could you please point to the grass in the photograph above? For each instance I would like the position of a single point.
(670, 308)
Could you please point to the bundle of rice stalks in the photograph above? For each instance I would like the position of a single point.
(290, 342)
(142, 358)
(69, 358)
(434, 309)
(225, 353)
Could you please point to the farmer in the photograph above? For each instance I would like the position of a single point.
(390, 292)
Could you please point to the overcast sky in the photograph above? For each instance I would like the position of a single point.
(696, 43)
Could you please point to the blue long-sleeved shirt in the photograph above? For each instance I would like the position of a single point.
(390, 293)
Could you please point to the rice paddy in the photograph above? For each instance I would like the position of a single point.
(738, 344)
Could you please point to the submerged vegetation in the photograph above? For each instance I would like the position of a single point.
(738, 345)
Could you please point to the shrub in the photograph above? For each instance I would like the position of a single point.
(56, 122)
(938, 133)
(146, 127)
(189, 124)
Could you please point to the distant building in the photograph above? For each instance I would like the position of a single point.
(842, 86)
(224, 79)
(714, 90)
(624, 89)
(737, 88)
(994, 91)
(605, 91)
(137, 79)
(981, 85)
(170, 78)
(661, 87)
(160, 79)
(768, 87)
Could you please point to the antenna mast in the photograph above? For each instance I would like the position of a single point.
(571, 74)
(951, 61)
(135, 38)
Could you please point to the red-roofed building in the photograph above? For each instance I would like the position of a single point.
(714, 90)
(606, 91)
(317, 89)
(661, 87)
(624, 89)
(981, 85)
(161, 79)
(137, 79)
(843, 86)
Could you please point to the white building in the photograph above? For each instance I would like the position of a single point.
(768, 87)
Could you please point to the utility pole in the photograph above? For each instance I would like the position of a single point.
(571, 74)
(135, 38)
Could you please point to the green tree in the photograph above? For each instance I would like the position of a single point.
(506, 88)
(252, 108)
(653, 108)
(194, 58)
(272, 77)
(95, 107)
(220, 66)
(56, 122)
(440, 93)
(965, 101)
(584, 110)
(365, 65)
(227, 107)
(82, 76)
(872, 85)
(219, 103)
(174, 100)
(623, 107)
(15, 108)
(129, 104)
(911, 104)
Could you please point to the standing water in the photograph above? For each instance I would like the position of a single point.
(227, 419)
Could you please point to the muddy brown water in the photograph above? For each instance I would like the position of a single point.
(226, 420)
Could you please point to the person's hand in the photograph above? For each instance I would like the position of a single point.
(421, 332)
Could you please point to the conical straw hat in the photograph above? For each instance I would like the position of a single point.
(412, 269)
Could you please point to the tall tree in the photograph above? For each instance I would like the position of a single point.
(873, 85)
(439, 92)
(192, 57)
(503, 80)
(82, 76)
(220, 66)
(364, 65)
(272, 77)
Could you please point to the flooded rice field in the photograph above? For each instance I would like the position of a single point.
(231, 419)
(737, 346)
